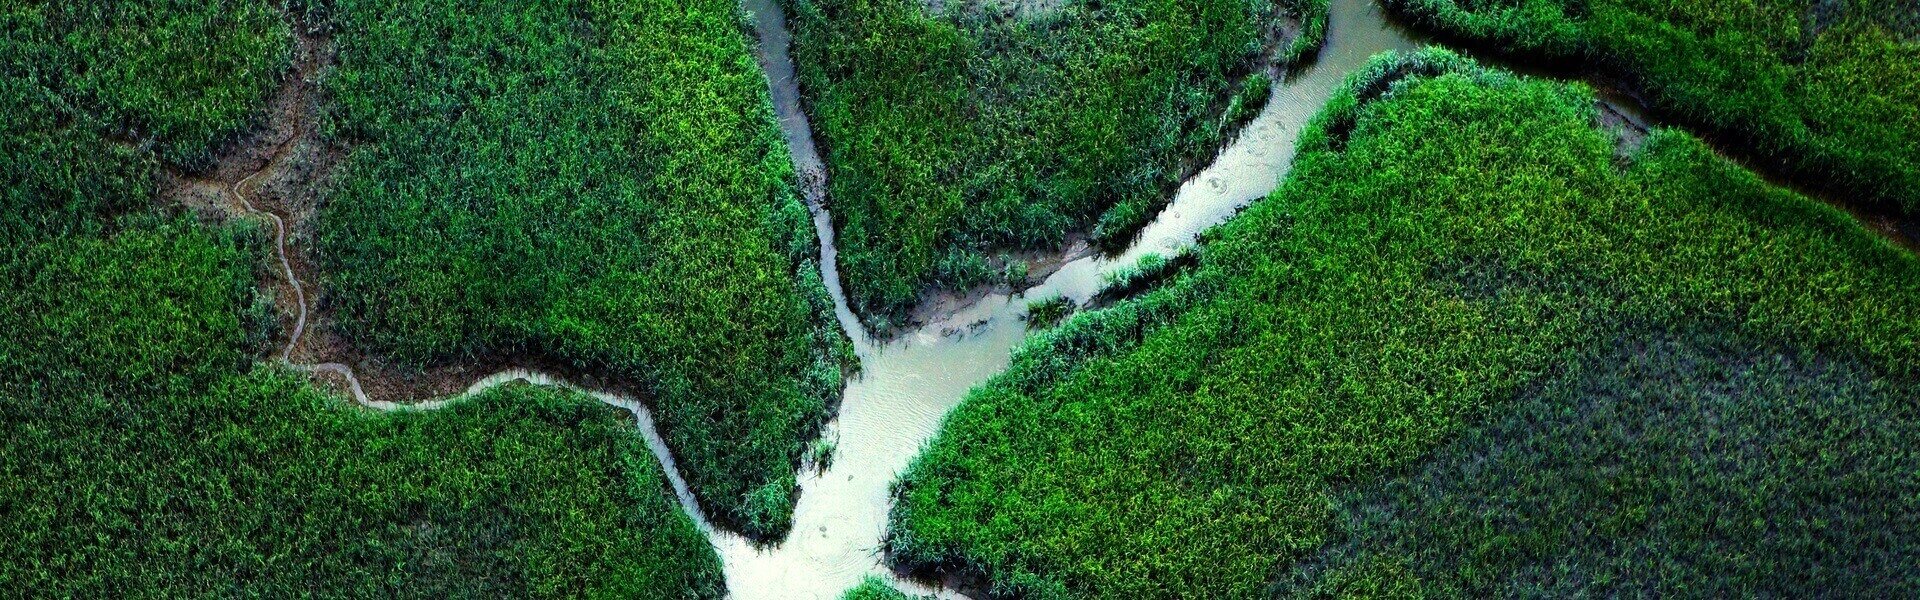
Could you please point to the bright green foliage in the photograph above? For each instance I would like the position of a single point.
(1825, 89)
(139, 458)
(152, 311)
(875, 589)
(1449, 240)
(948, 136)
(86, 88)
(594, 184)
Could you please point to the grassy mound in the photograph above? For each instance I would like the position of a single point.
(1825, 89)
(594, 184)
(1455, 249)
(950, 136)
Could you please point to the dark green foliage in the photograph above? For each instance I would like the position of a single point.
(594, 184)
(90, 91)
(1826, 90)
(140, 458)
(952, 136)
(143, 455)
(1048, 312)
(875, 589)
(177, 76)
(1456, 240)
(1666, 464)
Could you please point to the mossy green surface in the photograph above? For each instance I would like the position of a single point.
(950, 137)
(1822, 91)
(597, 185)
(1451, 241)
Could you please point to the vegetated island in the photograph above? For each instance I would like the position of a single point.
(1463, 351)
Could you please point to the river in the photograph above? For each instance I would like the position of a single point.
(908, 384)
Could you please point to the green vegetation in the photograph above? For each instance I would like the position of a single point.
(142, 452)
(175, 76)
(1048, 312)
(1151, 270)
(1665, 354)
(598, 185)
(143, 458)
(92, 92)
(1669, 465)
(1824, 90)
(875, 589)
(952, 136)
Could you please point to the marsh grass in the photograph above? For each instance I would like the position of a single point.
(953, 137)
(1450, 242)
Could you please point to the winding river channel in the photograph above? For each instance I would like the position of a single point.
(908, 385)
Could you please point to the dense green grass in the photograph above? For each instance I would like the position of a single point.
(598, 185)
(142, 452)
(1450, 243)
(951, 137)
(140, 456)
(875, 589)
(178, 76)
(91, 93)
(1823, 91)
(1668, 464)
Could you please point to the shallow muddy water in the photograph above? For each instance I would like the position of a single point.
(907, 385)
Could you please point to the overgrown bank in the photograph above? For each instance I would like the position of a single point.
(953, 137)
(597, 185)
(1455, 249)
(1824, 91)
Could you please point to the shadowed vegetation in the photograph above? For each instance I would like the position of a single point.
(598, 185)
(1822, 90)
(1666, 464)
(949, 137)
(1454, 248)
